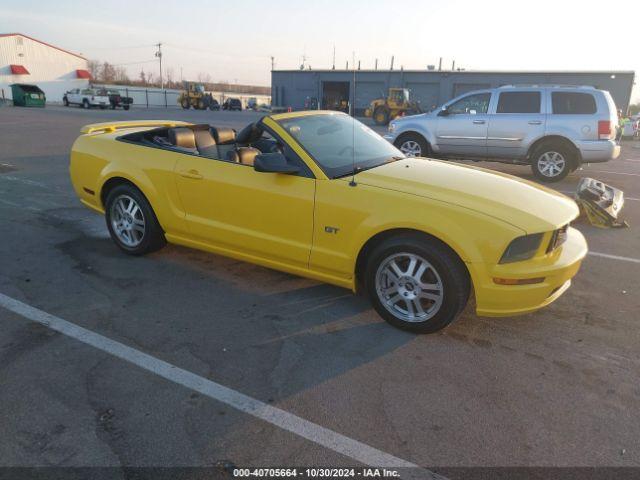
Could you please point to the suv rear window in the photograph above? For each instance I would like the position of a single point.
(519, 102)
(572, 103)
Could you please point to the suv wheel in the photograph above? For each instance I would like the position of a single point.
(416, 284)
(412, 145)
(552, 163)
(131, 221)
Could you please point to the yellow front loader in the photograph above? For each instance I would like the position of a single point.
(397, 103)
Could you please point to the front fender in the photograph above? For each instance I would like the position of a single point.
(421, 124)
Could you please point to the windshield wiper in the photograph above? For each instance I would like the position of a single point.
(359, 169)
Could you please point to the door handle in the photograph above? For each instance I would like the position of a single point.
(535, 122)
(479, 122)
(191, 174)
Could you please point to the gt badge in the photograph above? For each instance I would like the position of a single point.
(329, 229)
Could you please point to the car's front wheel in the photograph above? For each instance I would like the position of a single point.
(416, 283)
(85, 104)
(132, 224)
(412, 145)
(552, 163)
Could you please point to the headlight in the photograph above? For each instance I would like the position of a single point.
(392, 126)
(522, 248)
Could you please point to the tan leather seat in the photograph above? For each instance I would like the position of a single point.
(243, 155)
(183, 138)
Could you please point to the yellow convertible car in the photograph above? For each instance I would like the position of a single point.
(319, 194)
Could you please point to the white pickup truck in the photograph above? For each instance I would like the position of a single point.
(85, 98)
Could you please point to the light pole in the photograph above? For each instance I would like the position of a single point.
(159, 55)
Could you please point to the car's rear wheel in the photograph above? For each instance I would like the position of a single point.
(552, 162)
(65, 101)
(416, 283)
(132, 224)
(185, 104)
(126, 107)
(412, 145)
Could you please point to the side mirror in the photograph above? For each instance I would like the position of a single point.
(444, 111)
(274, 163)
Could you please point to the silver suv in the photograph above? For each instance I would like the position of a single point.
(552, 128)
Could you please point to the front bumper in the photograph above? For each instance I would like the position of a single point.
(389, 137)
(596, 151)
(557, 268)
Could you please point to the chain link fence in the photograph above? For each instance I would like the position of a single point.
(168, 98)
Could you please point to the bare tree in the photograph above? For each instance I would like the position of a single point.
(94, 68)
(204, 77)
(169, 74)
(121, 75)
(107, 73)
(143, 77)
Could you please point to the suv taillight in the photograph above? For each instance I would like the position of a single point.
(604, 129)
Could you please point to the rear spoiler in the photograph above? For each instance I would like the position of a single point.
(110, 127)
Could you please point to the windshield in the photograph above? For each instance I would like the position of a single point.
(336, 141)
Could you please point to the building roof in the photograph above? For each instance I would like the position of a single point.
(462, 72)
(40, 41)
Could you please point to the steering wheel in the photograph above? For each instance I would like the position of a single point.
(276, 148)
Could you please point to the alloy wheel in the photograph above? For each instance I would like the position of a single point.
(127, 221)
(551, 164)
(409, 287)
(411, 148)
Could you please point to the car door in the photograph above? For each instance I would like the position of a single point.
(72, 96)
(462, 128)
(231, 206)
(519, 120)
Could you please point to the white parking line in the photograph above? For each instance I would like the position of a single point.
(337, 442)
(615, 257)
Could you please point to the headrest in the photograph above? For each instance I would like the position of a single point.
(182, 137)
(224, 135)
(204, 139)
(243, 155)
(249, 134)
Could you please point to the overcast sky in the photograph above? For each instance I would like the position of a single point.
(233, 40)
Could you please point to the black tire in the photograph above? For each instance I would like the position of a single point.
(406, 141)
(85, 104)
(201, 105)
(126, 107)
(113, 106)
(381, 116)
(453, 278)
(185, 104)
(153, 237)
(102, 107)
(548, 152)
(65, 102)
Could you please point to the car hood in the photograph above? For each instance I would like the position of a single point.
(524, 204)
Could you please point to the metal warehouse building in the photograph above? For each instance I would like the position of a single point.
(291, 88)
(26, 60)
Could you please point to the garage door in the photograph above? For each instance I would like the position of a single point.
(367, 91)
(426, 93)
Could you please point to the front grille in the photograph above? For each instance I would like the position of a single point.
(558, 237)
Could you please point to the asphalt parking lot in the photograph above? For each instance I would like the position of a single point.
(555, 388)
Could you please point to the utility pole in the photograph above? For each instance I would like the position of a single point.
(159, 55)
(273, 62)
(453, 65)
(376, 68)
(440, 64)
(334, 58)
(392, 58)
